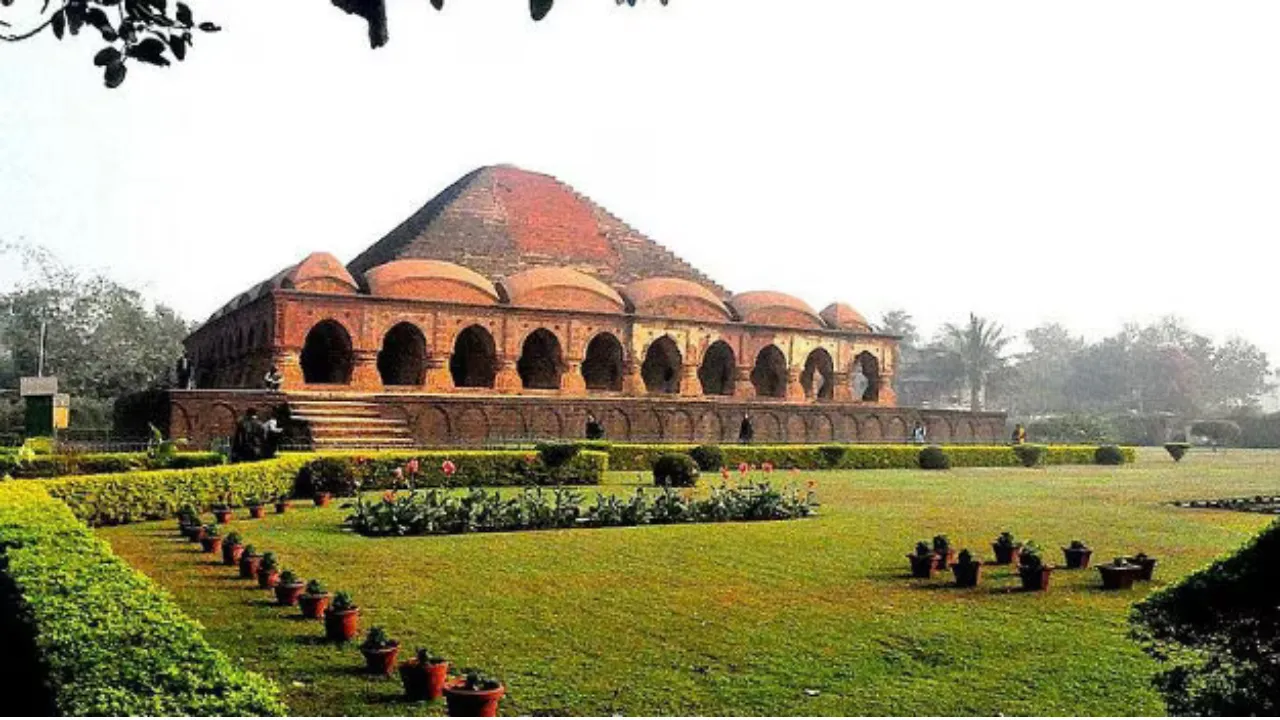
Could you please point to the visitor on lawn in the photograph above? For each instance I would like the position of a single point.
(745, 431)
(595, 431)
(1019, 434)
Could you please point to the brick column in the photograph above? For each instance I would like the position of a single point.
(508, 378)
(632, 382)
(887, 396)
(364, 371)
(795, 391)
(289, 360)
(843, 390)
(572, 382)
(742, 387)
(438, 377)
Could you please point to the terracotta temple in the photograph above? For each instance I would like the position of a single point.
(508, 308)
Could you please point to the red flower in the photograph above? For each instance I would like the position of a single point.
(812, 484)
(448, 468)
(389, 496)
(412, 467)
(767, 467)
(724, 473)
(743, 468)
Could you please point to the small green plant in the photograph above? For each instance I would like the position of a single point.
(475, 680)
(941, 545)
(377, 639)
(269, 562)
(233, 538)
(426, 657)
(188, 515)
(1029, 558)
(315, 587)
(249, 551)
(709, 458)
(1122, 562)
(1078, 545)
(288, 577)
(1030, 455)
(964, 557)
(934, 458)
(923, 549)
(1108, 455)
(342, 601)
(1006, 540)
(211, 531)
(675, 470)
(251, 500)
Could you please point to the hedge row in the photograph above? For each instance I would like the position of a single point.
(47, 466)
(490, 468)
(854, 457)
(110, 640)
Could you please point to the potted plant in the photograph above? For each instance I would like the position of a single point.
(282, 504)
(222, 512)
(923, 561)
(249, 559)
(943, 551)
(1031, 568)
(1077, 555)
(187, 518)
(255, 507)
(474, 694)
(268, 571)
(342, 618)
(1147, 563)
(424, 676)
(289, 588)
(379, 651)
(212, 541)
(231, 549)
(967, 570)
(1119, 574)
(195, 533)
(314, 600)
(1006, 549)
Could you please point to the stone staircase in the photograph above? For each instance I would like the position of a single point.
(347, 423)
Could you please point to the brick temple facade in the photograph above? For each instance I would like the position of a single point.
(508, 307)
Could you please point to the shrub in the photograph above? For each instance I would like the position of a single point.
(832, 455)
(1030, 455)
(675, 470)
(378, 639)
(1216, 635)
(1029, 557)
(934, 458)
(110, 640)
(1177, 449)
(555, 455)
(710, 458)
(333, 475)
(48, 466)
(1218, 432)
(375, 471)
(315, 587)
(342, 601)
(1108, 455)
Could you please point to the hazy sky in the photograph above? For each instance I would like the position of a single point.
(1086, 162)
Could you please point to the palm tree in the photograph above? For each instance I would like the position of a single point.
(977, 349)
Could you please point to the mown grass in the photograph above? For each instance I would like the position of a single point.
(812, 617)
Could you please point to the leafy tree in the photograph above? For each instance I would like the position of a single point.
(900, 322)
(976, 350)
(1240, 376)
(1045, 371)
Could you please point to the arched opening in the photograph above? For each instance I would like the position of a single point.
(474, 358)
(770, 373)
(818, 378)
(602, 366)
(540, 364)
(403, 358)
(716, 372)
(661, 368)
(866, 377)
(326, 355)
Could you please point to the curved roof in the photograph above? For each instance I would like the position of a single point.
(319, 272)
(765, 307)
(431, 280)
(561, 288)
(842, 316)
(675, 298)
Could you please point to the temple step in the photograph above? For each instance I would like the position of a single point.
(348, 424)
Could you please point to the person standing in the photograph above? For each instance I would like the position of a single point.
(271, 434)
(273, 379)
(184, 372)
(746, 432)
(1019, 434)
(595, 431)
(919, 433)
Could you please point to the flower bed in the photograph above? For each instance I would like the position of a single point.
(460, 468)
(110, 641)
(48, 466)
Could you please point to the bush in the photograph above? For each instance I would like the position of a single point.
(1217, 432)
(1216, 634)
(710, 458)
(333, 475)
(1108, 455)
(675, 470)
(110, 640)
(472, 468)
(555, 455)
(1030, 455)
(47, 466)
(1177, 449)
(934, 458)
(833, 455)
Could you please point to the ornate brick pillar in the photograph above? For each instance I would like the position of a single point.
(632, 382)
(690, 386)
(508, 378)
(364, 371)
(843, 390)
(438, 377)
(742, 387)
(886, 395)
(572, 382)
(289, 361)
(795, 391)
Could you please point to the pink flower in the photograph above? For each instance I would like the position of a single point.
(743, 468)
(412, 467)
(767, 467)
(448, 468)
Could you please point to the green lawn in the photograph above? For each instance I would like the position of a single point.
(807, 617)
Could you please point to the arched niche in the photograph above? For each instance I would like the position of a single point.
(541, 363)
(661, 368)
(474, 359)
(403, 358)
(769, 376)
(326, 355)
(602, 366)
(717, 369)
(818, 377)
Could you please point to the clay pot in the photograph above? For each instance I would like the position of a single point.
(1119, 578)
(944, 560)
(472, 703)
(341, 625)
(1148, 566)
(380, 661)
(268, 579)
(423, 682)
(922, 566)
(196, 533)
(967, 575)
(255, 512)
(1035, 580)
(223, 516)
(249, 565)
(1006, 554)
(231, 553)
(289, 594)
(282, 506)
(1077, 558)
(313, 606)
(322, 499)
(211, 544)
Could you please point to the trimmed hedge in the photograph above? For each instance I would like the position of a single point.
(47, 466)
(110, 640)
(488, 468)
(856, 457)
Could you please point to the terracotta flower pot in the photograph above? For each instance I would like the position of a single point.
(1006, 554)
(268, 579)
(211, 544)
(231, 553)
(223, 516)
(1077, 558)
(341, 625)
(922, 566)
(196, 533)
(380, 661)
(1119, 578)
(289, 594)
(944, 560)
(967, 575)
(313, 606)
(322, 499)
(281, 507)
(472, 703)
(255, 512)
(249, 565)
(1035, 580)
(1148, 566)
(423, 682)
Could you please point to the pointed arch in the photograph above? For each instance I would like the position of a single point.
(717, 369)
(474, 359)
(602, 365)
(541, 361)
(661, 368)
(327, 355)
(769, 376)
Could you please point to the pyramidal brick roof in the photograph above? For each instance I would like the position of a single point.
(500, 220)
